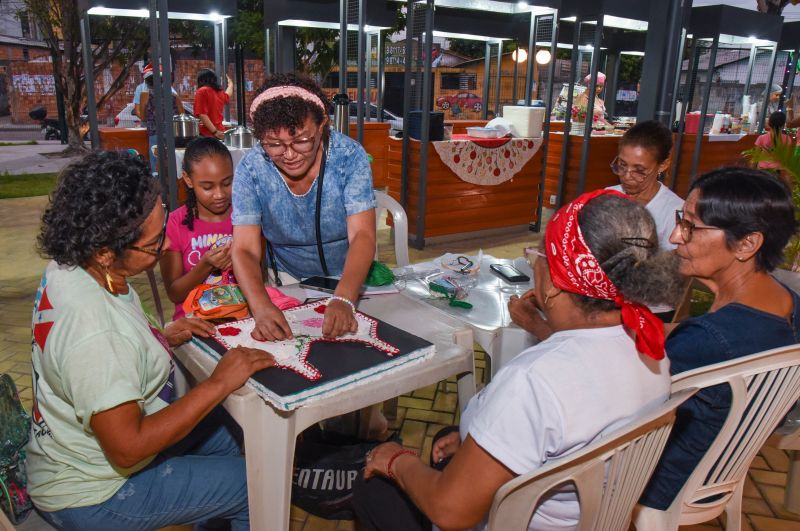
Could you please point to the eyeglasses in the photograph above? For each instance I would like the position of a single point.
(687, 227)
(532, 254)
(159, 246)
(301, 146)
(621, 169)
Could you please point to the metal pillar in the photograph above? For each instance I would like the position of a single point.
(587, 130)
(793, 71)
(409, 58)
(704, 108)
(497, 78)
(768, 88)
(424, 137)
(218, 50)
(368, 71)
(360, 72)
(750, 62)
(546, 126)
(612, 81)
(223, 78)
(267, 53)
(673, 54)
(88, 73)
(487, 64)
(677, 151)
(380, 82)
(343, 46)
(562, 174)
(678, 66)
(531, 58)
(516, 76)
(162, 94)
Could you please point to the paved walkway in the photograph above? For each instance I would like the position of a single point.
(22, 158)
(420, 414)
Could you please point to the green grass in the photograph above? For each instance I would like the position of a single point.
(26, 185)
(28, 143)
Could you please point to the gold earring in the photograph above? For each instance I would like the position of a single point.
(546, 298)
(109, 282)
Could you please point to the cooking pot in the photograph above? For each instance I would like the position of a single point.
(185, 127)
(239, 137)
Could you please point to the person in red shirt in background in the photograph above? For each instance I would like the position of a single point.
(209, 101)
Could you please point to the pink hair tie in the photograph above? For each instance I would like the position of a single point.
(285, 91)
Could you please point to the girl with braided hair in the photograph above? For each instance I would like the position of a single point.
(200, 231)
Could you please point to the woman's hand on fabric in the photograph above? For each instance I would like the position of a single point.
(445, 447)
(238, 364)
(339, 320)
(271, 325)
(219, 257)
(180, 331)
(377, 462)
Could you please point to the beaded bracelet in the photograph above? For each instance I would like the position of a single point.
(344, 300)
(389, 472)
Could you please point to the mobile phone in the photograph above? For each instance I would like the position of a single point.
(509, 273)
(325, 284)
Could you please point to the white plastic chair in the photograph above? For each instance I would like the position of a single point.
(609, 475)
(787, 437)
(764, 387)
(400, 228)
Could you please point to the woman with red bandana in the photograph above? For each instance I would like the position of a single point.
(602, 367)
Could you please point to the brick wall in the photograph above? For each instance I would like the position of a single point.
(31, 84)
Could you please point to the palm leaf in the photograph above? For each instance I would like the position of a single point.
(787, 156)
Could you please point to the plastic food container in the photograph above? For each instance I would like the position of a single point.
(483, 132)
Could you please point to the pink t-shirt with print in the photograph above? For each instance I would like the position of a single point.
(193, 244)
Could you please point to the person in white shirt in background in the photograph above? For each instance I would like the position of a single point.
(643, 157)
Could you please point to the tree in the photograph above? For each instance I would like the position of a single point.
(774, 7)
(120, 40)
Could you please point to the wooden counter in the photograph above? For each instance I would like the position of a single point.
(455, 206)
(376, 135)
(114, 138)
(602, 150)
(712, 155)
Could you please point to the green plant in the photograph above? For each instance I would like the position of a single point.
(784, 154)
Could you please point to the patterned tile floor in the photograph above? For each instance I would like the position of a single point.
(420, 414)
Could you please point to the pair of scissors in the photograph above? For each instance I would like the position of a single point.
(465, 263)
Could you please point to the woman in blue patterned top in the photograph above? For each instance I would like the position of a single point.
(308, 190)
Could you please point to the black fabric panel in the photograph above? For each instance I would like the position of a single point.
(334, 360)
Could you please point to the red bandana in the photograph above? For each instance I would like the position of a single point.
(574, 268)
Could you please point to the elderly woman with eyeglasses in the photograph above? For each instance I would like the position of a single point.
(642, 158)
(729, 235)
(111, 447)
(308, 191)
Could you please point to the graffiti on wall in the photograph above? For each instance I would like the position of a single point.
(34, 84)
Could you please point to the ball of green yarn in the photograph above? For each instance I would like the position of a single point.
(379, 275)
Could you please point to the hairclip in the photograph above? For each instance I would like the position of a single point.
(644, 243)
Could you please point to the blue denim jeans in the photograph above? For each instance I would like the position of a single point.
(201, 480)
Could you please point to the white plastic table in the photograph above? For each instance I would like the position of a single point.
(489, 318)
(270, 434)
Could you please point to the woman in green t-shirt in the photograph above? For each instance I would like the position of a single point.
(111, 447)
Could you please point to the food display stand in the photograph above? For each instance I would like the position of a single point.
(719, 34)
(454, 204)
(596, 33)
(433, 180)
(115, 138)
